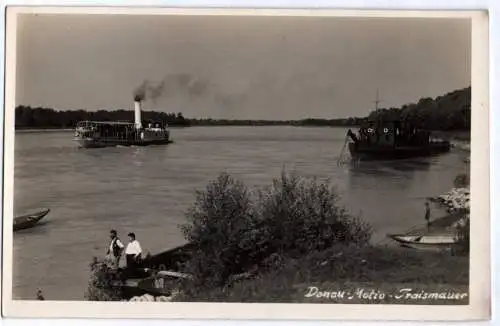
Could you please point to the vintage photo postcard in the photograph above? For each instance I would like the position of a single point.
(246, 164)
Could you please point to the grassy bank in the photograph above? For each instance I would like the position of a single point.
(357, 272)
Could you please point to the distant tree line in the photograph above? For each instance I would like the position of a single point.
(45, 118)
(303, 122)
(447, 112)
(28, 117)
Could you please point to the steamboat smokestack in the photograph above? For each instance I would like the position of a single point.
(137, 110)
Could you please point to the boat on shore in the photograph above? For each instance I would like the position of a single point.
(163, 283)
(393, 140)
(140, 280)
(171, 259)
(96, 134)
(29, 220)
(158, 274)
(432, 242)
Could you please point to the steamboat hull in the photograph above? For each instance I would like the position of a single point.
(371, 153)
(109, 142)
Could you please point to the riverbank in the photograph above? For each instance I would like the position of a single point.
(356, 272)
(348, 275)
(457, 199)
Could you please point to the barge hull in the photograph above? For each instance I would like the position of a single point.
(395, 153)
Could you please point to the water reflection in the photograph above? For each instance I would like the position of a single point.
(376, 174)
(39, 229)
(93, 153)
(406, 168)
(138, 156)
(397, 165)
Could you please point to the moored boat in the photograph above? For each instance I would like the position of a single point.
(29, 220)
(392, 140)
(163, 283)
(433, 242)
(171, 259)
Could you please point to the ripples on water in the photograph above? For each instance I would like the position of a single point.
(148, 189)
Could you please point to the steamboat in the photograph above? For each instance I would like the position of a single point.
(92, 134)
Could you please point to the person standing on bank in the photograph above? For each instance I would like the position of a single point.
(115, 249)
(133, 251)
(428, 216)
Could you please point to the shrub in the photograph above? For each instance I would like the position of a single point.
(221, 223)
(305, 215)
(234, 231)
(99, 288)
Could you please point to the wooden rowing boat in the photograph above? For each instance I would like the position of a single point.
(164, 283)
(29, 220)
(171, 259)
(433, 242)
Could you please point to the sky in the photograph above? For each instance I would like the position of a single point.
(240, 67)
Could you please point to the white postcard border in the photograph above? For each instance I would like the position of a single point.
(479, 307)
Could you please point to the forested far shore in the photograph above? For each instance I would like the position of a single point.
(449, 112)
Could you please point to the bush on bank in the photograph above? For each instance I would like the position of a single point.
(222, 224)
(236, 230)
(99, 288)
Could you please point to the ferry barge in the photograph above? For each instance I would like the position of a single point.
(391, 140)
(92, 134)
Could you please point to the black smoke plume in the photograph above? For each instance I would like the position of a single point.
(183, 83)
(148, 90)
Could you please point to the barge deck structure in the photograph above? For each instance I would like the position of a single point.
(393, 140)
(379, 139)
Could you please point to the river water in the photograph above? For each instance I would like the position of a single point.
(147, 190)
